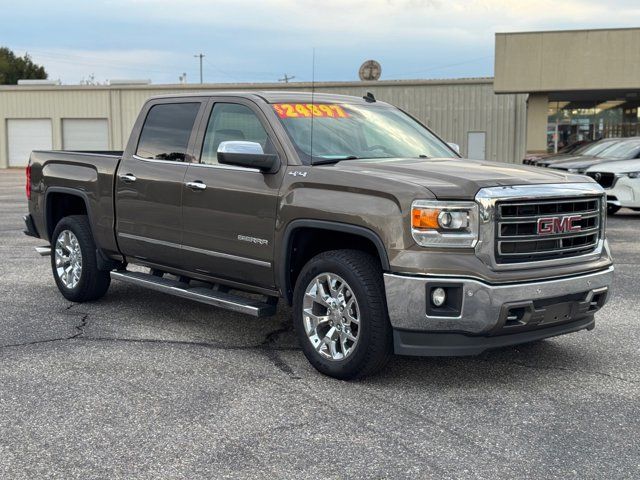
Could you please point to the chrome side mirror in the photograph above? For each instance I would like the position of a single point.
(246, 154)
(455, 147)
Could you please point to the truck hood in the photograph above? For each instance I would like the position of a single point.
(456, 178)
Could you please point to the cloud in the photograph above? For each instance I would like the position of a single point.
(260, 40)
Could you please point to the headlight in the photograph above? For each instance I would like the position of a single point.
(444, 224)
(631, 174)
(576, 170)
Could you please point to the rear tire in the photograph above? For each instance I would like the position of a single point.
(325, 316)
(74, 263)
(612, 209)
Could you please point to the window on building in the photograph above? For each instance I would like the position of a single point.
(572, 123)
(166, 131)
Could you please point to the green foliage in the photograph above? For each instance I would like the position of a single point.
(14, 68)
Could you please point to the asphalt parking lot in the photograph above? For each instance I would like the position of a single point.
(142, 385)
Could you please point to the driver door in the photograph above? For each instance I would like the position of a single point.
(229, 217)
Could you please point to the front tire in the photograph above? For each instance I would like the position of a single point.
(74, 263)
(340, 314)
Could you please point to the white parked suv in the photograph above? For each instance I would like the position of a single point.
(621, 181)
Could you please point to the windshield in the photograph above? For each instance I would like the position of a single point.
(623, 150)
(352, 131)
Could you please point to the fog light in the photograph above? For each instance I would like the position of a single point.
(438, 296)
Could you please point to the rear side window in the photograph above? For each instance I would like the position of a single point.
(166, 131)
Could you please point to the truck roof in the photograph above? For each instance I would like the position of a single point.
(274, 96)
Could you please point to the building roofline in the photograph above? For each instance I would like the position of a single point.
(580, 30)
(250, 86)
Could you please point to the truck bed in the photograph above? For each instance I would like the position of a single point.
(88, 174)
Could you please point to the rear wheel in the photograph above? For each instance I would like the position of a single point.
(73, 261)
(340, 314)
(612, 209)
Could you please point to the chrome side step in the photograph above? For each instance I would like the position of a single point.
(43, 251)
(216, 298)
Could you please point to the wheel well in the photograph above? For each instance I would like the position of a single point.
(307, 242)
(60, 205)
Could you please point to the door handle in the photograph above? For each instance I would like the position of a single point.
(127, 177)
(196, 185)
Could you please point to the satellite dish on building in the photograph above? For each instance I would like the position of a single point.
(370, 70)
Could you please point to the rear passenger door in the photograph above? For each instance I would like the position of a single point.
(229, 226)
(149, 181)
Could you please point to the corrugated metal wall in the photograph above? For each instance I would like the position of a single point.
(450, 107)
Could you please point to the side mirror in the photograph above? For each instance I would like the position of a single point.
(247, 154)
(454, 146)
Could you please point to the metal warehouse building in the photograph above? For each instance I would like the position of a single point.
(465, 111)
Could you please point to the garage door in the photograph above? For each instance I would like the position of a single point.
(24, 135)
(85, 134)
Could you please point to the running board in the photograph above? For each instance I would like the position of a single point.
(216, 298)
(43, 251)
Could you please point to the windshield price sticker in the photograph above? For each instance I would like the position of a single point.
(306, 110)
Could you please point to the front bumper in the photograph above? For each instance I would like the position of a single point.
(624, 193)
(490, 315)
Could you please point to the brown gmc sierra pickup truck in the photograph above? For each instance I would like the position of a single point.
(377, 233)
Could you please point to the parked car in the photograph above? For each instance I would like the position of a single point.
(376, 232)
(621, 181)
(626, 149)
(567, 149)
(591, 149)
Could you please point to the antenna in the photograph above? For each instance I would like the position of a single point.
(313, 90)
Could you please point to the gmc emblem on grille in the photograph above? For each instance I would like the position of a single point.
(550, 225)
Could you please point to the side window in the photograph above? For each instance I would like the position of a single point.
(232, 121)
(166, 131)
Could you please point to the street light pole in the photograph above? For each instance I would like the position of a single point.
(200, 56)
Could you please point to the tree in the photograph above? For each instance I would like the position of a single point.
(14, 68)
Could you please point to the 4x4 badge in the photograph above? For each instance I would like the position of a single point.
(298, 173)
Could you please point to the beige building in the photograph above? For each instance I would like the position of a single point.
(466, 112)
(581, 84)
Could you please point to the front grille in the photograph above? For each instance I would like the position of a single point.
(517, 237)
(605, 179)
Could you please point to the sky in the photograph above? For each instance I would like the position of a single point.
(262, 40)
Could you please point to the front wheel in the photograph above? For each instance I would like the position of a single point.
(73, 261)
(612, 209)
(340, 314)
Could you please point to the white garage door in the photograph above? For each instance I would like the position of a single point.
(85, 134)
(24, 135)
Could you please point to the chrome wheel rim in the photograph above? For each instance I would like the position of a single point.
(68, 258)
(331, 316)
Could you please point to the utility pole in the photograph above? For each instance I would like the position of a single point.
(200, 56)
(286, 78)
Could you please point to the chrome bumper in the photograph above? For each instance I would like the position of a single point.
(485, 308)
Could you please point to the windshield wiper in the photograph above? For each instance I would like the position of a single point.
(327, 161)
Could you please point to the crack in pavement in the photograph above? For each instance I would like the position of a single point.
(79, 331)
(268, 346)
(563, 369)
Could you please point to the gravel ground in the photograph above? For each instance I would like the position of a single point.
(143, 385)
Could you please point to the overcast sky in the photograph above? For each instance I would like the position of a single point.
(261, 40)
